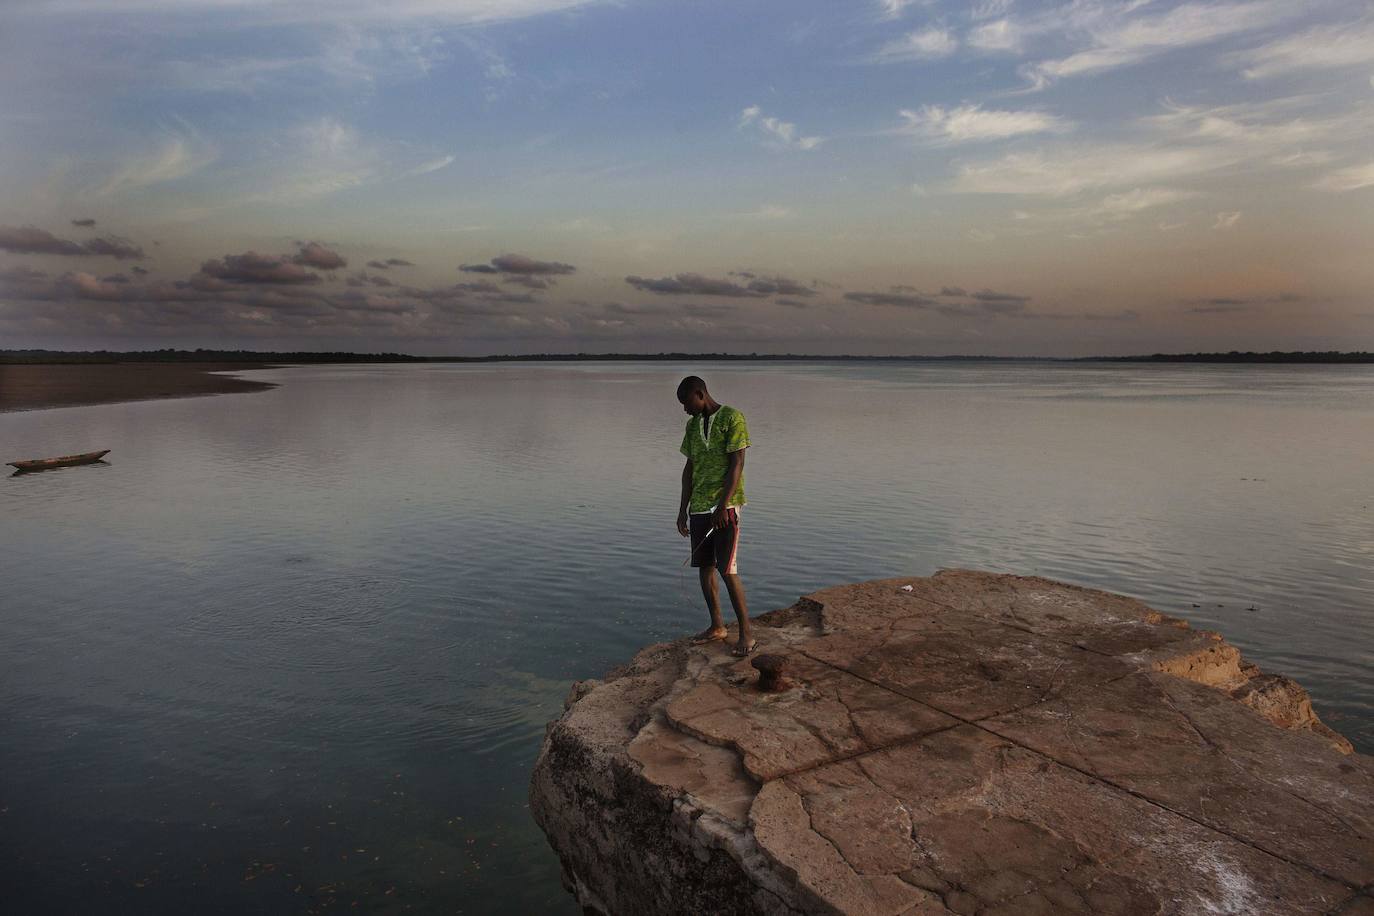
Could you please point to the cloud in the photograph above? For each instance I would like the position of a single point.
(1183, 143)
(1218, 309)
(325, 156)
(1125, 39)
(1227, 220)
(83, 223)
(899, 300)
(693, 285)
(1071, 170)
(982, 303)
(893, 9)
(139, 271)
(1325, 47)
(621, 308)
(21, 274)
(1001, 35)
(1347, 179)
(313, 254)
(520, 265)
(251, 267)
(389, 263)
(433, 165)
(770, 286)
(481, 287)
(529, 281)
(924, 44)
(990, 9)
(1218, 305)
(987, 295)
(767, 211)
(312, 13)
(709, 311)
(971, 123)
(1120, 206)
(115, 247)
(250, 297)
(782, 134)
(179, 155)
(793, 303)
(983, 309)
(31, 240)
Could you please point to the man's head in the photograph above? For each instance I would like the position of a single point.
(692, 394)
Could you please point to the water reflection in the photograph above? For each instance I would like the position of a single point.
(296, 648)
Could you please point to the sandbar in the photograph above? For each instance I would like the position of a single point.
(34, 387)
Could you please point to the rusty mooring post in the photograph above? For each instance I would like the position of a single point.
(772, 672)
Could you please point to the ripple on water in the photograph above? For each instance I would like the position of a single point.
(349, 605)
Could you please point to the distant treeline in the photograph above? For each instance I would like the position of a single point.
(197, 356)
(1236, 356)
(253, 356)
(712, 357)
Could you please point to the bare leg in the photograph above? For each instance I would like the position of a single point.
(708, 591)
(735, 587)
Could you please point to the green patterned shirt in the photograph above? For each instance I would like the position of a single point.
(709, 450)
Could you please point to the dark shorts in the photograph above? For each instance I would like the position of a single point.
(721, 549)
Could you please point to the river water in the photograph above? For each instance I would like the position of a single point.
(294, 650)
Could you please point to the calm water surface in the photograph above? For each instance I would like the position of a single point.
(296, 649)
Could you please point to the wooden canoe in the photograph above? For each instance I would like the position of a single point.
(66, 461)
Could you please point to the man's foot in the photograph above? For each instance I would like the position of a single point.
(744, 648)
(710, 634)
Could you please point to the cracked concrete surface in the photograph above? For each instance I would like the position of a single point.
(977, 744)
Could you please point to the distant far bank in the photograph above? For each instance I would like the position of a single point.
(86, 357)
(39, 379)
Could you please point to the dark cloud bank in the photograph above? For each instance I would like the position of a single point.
(31, 240)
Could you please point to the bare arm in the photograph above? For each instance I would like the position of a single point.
(682, 528)
(732, 476)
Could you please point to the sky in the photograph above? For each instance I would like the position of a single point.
(467, 177)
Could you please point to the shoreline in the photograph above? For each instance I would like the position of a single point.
(50, 385)
(958, 743)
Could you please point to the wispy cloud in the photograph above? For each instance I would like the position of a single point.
(1069, 171)
(315, 11)
(432, 165)
(1227, 220)
(1128, 38)
(1347, 179)
(893, 9)
(1182, 143)
(924, 44)
(780, 133)
(999, 35)
(1325, 47)
(1131, 202)
(767, 212)
(972, 123)
(177, 156)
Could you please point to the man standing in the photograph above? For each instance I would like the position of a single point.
(712, 495)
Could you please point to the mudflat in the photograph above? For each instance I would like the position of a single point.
(30, 387)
